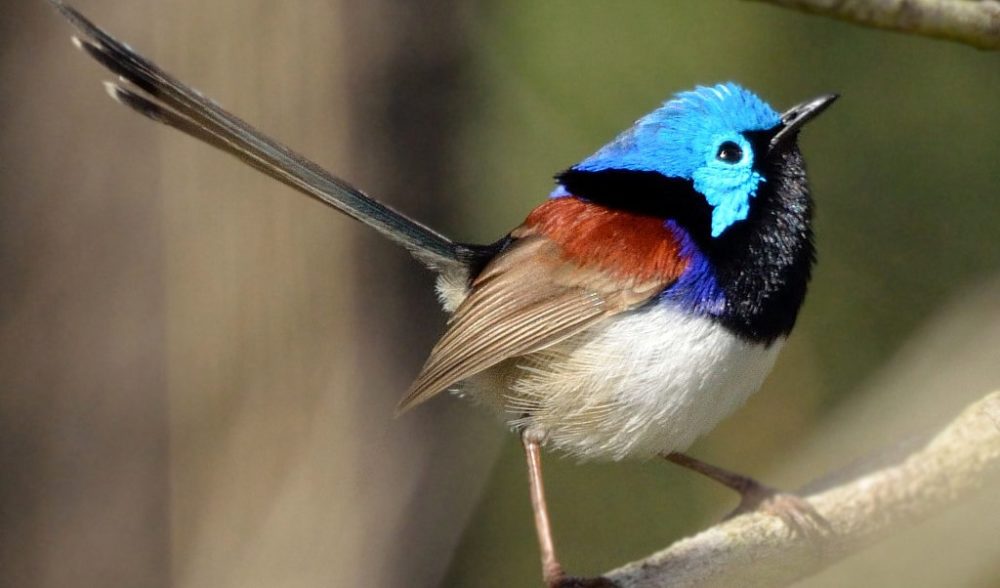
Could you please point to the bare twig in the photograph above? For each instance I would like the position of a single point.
(758, 550)
(974, 22)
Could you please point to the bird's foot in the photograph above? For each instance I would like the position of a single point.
(574, 582)
(796, 512)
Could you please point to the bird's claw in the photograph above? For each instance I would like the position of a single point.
(796, 512)
(574, 582)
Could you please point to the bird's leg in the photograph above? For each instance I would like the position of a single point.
(795, 511)
(552, 572)
(752, 493)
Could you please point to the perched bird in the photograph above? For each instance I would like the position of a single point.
(629, 313)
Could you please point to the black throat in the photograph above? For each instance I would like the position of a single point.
(761, 264)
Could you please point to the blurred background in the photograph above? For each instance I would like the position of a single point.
(198, 366)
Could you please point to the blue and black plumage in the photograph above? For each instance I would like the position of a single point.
(751, 263)
(630, 312)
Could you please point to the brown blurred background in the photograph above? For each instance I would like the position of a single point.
(198, 366)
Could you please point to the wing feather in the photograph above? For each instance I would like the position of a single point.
(529, 298)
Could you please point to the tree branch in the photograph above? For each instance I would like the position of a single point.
(973, 22)
(759, 550)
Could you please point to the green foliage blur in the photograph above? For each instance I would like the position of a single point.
(903, 168)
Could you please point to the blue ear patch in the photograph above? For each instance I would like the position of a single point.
(729, 203)
(728, 187)
(682, 139)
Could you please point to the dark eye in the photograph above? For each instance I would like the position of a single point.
(729, 152)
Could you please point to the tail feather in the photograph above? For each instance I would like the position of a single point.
(164, 99)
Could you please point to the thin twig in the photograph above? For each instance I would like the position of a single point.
(758, 550)
(973, 22)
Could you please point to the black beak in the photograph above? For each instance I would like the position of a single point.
(798, 115)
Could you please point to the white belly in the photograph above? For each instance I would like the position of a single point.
(643, 383)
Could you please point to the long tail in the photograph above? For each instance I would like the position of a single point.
(162, 98)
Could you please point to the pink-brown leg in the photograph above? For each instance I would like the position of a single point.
(552, 572)
(795, 511)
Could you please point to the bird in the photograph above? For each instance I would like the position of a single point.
(643, 301)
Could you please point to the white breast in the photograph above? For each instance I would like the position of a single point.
(640, 384)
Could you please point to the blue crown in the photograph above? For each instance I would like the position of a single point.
(681, 139)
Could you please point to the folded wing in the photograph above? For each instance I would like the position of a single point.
(536, 293)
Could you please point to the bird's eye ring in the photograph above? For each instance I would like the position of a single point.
(729, 152)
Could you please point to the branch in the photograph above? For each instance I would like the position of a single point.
(973, 22)
(759, 550)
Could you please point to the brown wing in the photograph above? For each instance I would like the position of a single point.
(528, 298)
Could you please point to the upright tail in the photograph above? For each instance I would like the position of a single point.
(160, 97)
